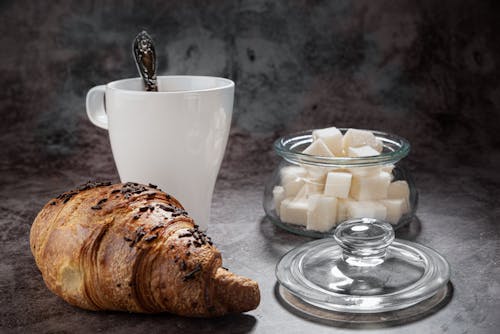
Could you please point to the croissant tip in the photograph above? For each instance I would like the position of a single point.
(238, 294)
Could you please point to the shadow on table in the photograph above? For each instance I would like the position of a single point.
(278, 240)
(167, 323)
(411, 230)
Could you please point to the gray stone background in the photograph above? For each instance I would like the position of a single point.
(425, 70)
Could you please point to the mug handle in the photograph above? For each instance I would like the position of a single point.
(96, 110)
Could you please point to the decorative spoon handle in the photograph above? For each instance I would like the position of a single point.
(145, 59)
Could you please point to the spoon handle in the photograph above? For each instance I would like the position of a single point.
(145, 59)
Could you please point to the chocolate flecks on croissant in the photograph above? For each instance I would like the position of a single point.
(132, 247)
(65, 197)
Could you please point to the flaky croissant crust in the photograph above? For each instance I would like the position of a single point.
(132, 247)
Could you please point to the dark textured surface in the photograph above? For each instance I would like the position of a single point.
(426, 70)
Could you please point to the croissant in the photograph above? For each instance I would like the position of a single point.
(131, 247)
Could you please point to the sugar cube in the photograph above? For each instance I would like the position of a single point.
(342, 209)
(292, 188)
(379, 145)
(366, 209)
(356, 138)
(278, 197)
(370, 187)
(294, 212)
(314, 187)
(395, 209)
(362, 151)
(316, 172)
(302, 194)
(309, 188)
(338, 184)
(318, 148)
(332, 137)
(400, 189)
(292, 173)
(292, 179)
(388, 168)
(322, 213)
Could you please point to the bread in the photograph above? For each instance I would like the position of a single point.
(130, 247)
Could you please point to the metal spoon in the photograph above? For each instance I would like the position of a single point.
(145, 59)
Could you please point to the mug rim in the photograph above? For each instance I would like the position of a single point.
(228, 83)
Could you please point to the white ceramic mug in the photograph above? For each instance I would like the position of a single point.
(174, 138)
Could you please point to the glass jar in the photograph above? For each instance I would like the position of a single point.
(296, 198)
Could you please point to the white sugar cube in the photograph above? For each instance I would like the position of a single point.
(292, 179)
(307, 189)
(318, 148)
(366, 209)
(342, 209)
(302, 194)
(370, 187)
(322, 213)
(278, 197)
(314, 187)
(379, 146)
(332, 137)
(292, 173)
(388, 168)
(362, 151)
(372, 170)
(400, 189)
(292, 188)
(294, 212)
(338, 184)
(395, 209)
(316, 173)
(357, 138)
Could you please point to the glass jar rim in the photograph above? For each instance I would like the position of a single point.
(395, 149)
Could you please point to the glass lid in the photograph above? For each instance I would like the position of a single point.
(364, 270)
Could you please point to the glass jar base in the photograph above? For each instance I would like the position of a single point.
(301, 230)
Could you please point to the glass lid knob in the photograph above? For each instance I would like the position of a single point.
(364, 241)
